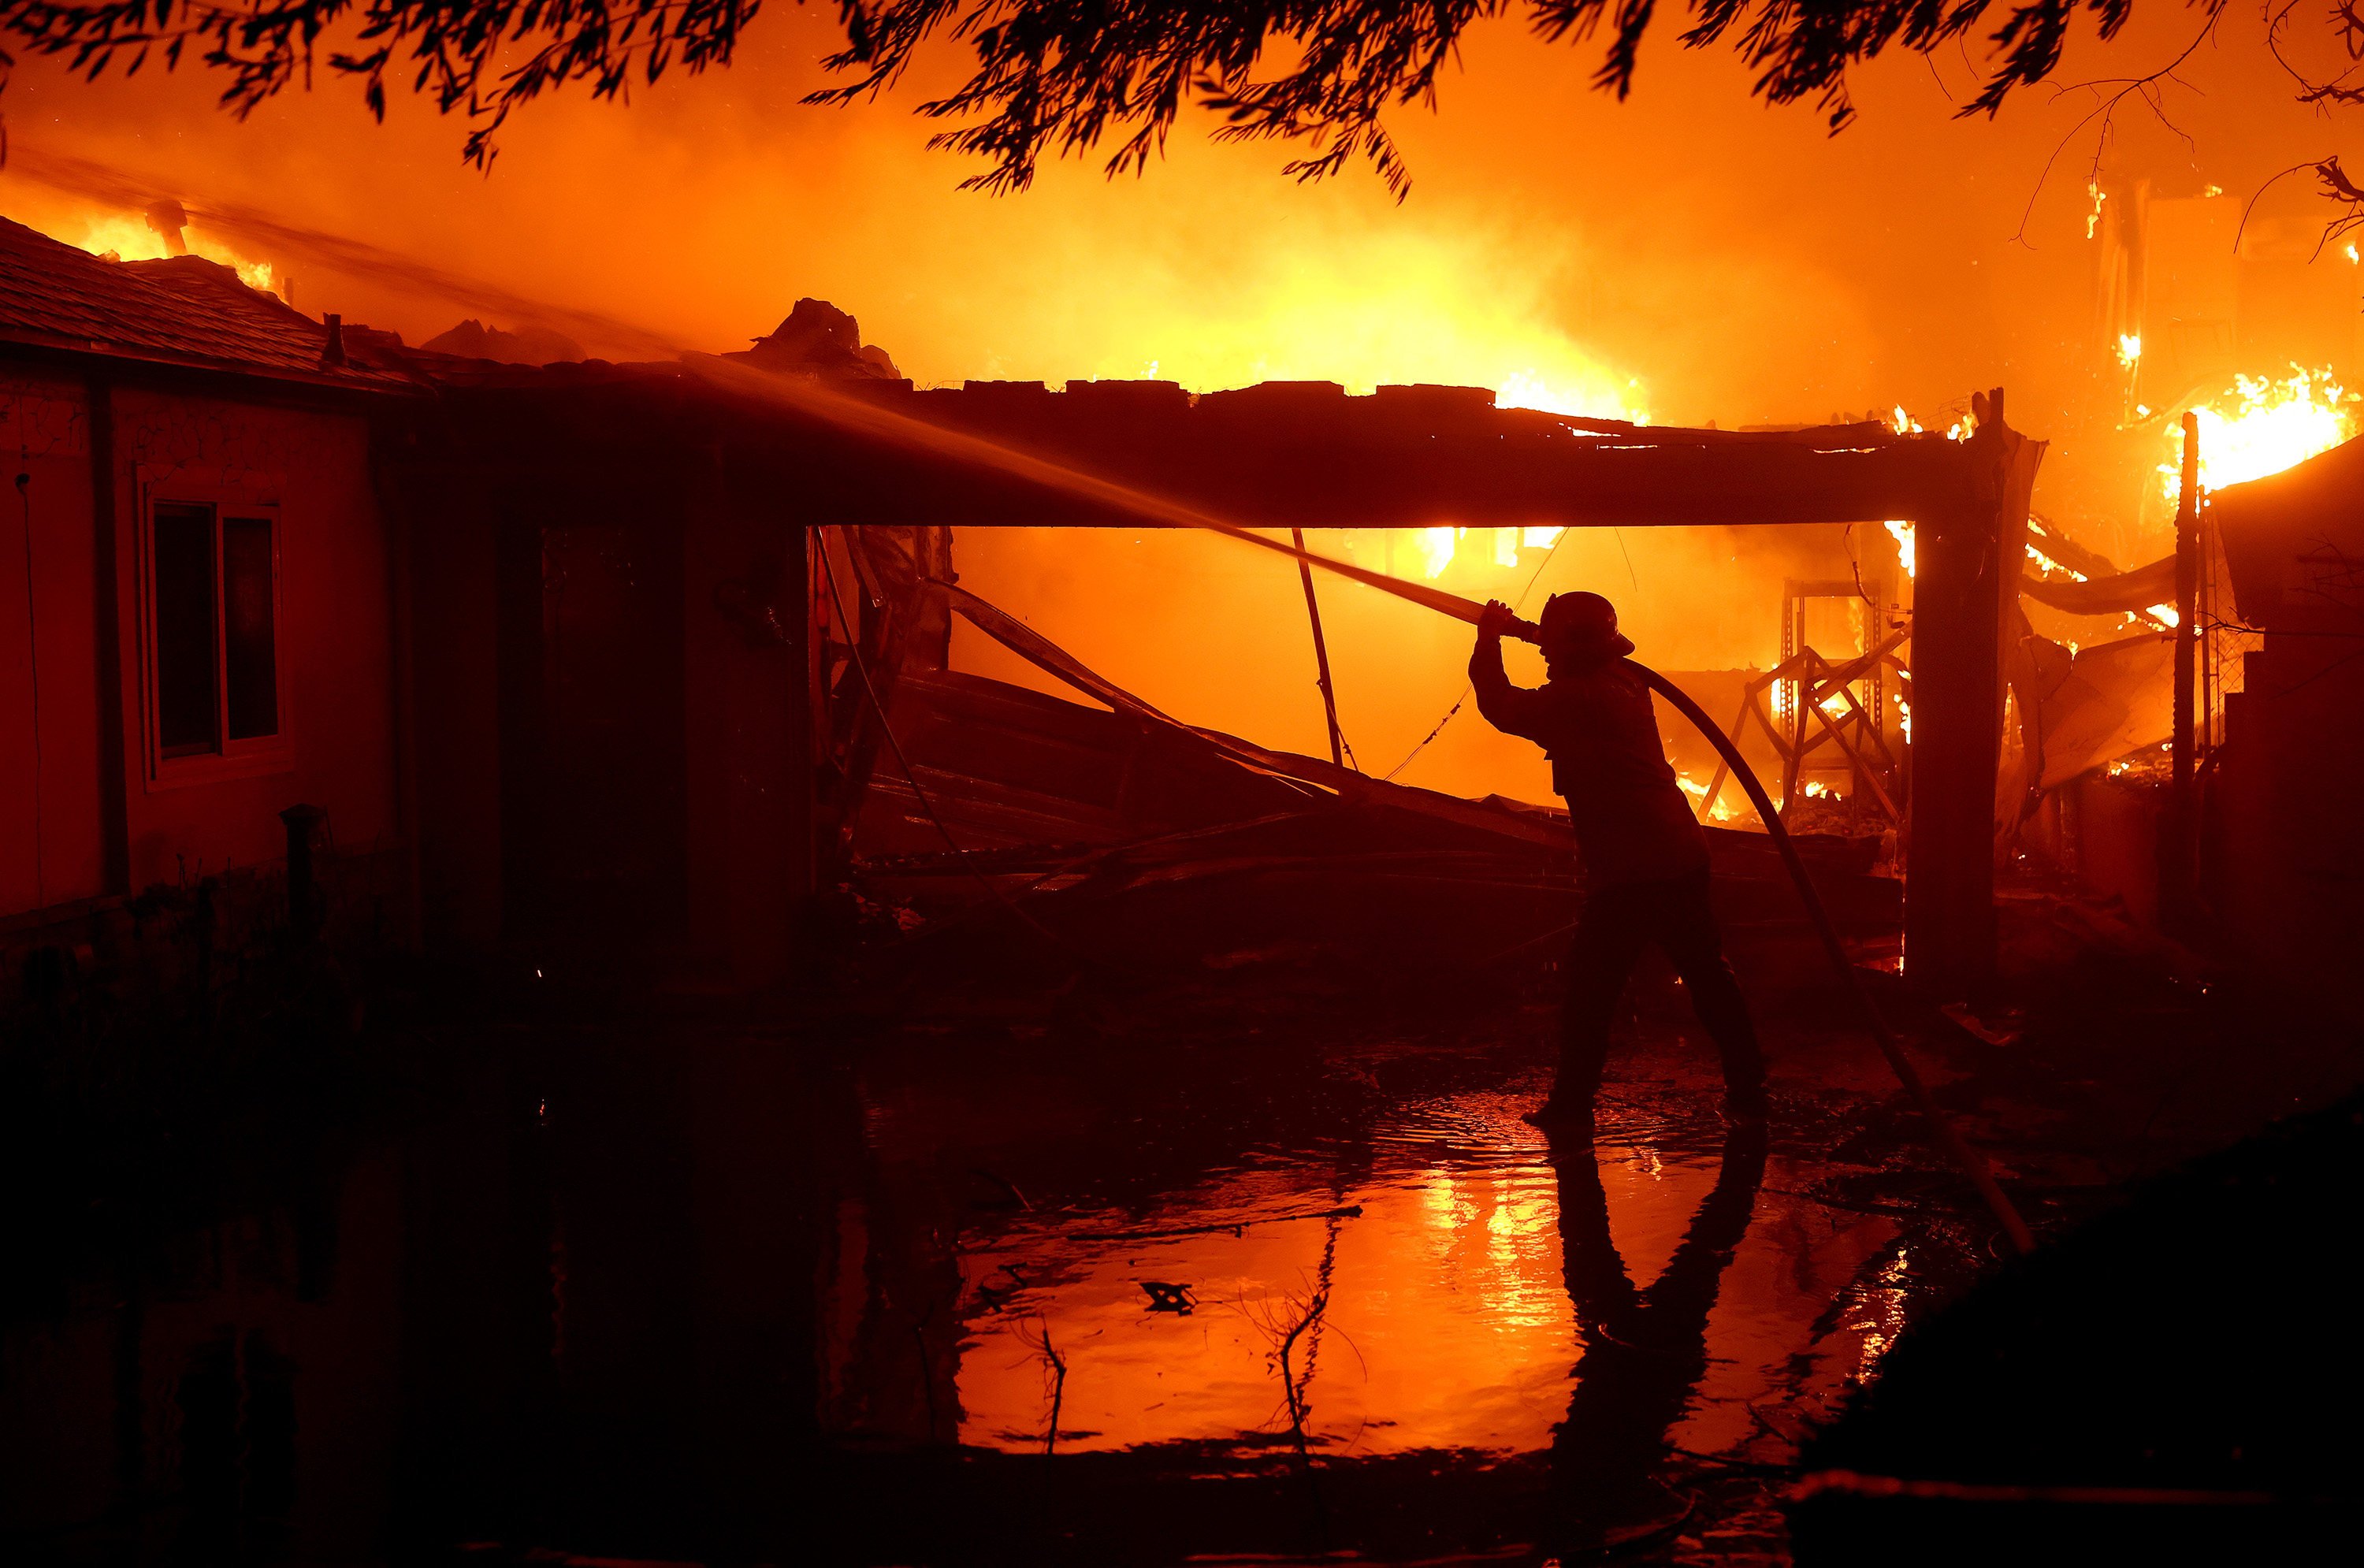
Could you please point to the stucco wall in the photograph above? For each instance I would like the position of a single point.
(79, 820)
(51, 844)
(336, 639)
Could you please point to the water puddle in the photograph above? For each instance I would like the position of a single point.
(618, 1304)
(1454, 1294)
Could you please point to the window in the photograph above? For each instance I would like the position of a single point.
(214, 610)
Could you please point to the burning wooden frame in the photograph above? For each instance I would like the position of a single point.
(1297, 455)
(752, 475)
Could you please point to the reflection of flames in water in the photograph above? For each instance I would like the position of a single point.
(2261, 426)
(131, 239)
(1880, 1314)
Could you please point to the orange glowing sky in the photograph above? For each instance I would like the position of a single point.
(1689, 250)
(1689, 254)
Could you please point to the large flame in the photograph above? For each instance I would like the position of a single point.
(130, 239)
(2261, 426)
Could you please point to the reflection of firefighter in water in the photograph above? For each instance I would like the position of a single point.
(1644, 856)
(1644, 1350)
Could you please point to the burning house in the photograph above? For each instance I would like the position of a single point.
(645, 659)
(697, 589)
(203, 600)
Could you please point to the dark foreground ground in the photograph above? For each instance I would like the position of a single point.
(1261, 1266)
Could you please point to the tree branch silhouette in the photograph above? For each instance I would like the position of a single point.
(1053, 78)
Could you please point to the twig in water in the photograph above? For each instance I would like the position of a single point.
(1056, 1365)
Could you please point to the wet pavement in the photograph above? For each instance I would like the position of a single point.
(1253, 1265)
(1345, 1299)
(1450, 1305)
(969, 1291)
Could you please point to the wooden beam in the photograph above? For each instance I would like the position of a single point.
(1958, 599)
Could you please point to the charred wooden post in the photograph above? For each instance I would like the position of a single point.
(1956, 734)
(1968, 551)
(2178, 847)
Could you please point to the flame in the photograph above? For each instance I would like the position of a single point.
(1904, 717)
(2048, 564)
(2163, 614)
(129, 239)
(1719, 812)
(2129, 349)
(1897, 529)
(1436, 547)
(1528, 389)
(2260, 427)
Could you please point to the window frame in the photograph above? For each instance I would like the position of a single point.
(228, 758)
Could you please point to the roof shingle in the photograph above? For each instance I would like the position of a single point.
(183, 311)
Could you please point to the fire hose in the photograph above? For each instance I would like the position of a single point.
(866, 416)
(1968, 1159)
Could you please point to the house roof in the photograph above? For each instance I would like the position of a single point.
(2303, 525)
(185, 311)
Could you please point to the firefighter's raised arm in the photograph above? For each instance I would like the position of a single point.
(1509, 709)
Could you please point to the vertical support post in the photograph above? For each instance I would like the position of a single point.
(1958, 699)
(1956, 746)
(1320, 651)
(2177, 862)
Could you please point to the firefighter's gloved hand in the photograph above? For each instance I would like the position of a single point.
(1497, 620)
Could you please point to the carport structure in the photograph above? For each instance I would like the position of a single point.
(682, 503)
(1306, 455)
